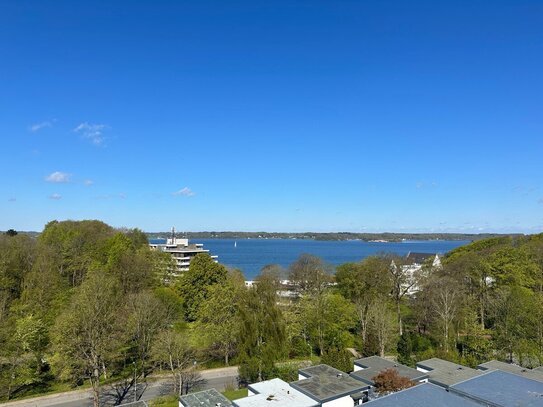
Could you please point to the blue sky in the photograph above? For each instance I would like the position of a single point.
(278, 116)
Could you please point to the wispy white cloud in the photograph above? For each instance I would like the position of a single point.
(42, 125)
(58, 177)
(55, 197)
(92, 132)
(88, 182)
(184, 192)
(111, 196)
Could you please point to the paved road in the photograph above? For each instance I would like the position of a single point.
(217, 378)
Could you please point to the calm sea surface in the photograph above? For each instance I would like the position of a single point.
(250, 255)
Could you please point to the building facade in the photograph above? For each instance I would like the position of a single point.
(181, 250)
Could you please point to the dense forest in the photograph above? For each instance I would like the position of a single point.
(84, 303)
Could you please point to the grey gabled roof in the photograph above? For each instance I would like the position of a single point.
(426, 394)
(533, 374)
(445, 373)
(324, 383)
(502, 389)
(373, 365)
(418, 258)
(206, 398)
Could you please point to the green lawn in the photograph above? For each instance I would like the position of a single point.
(166, 401)
(235, 394)
(171, 401)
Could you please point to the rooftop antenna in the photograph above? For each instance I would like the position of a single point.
(173, 234)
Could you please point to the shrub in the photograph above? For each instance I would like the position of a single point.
(389, 380)
(338, 358)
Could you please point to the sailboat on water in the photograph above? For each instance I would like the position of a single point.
(235, 244)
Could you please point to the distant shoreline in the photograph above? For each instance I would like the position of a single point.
(384, 237)
(333, 236)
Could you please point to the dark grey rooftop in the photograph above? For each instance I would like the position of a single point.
(502, 389)
(373, 365)
(418, 258)
(533, 374)
(324, 383)
(140, 403)
(426, 394)
(206, 398)
(445, 373)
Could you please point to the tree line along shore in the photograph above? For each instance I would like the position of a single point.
(86, 303)
(367, 237)
(389, 237)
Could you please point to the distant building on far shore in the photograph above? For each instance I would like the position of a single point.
(181, 250)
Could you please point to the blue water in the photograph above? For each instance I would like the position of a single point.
(251, 255)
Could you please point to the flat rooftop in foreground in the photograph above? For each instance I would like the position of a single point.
(445, 373)
(373, 365)
(275, 392)
(426, 394)
(533, 374)
(502, 389)
(206, 398)
(324, 383)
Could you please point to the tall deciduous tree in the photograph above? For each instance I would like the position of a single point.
(87, 335)
(403, 279)
(382, 323)
(309, 274)
(17, 256)
(218, 318)
(194, 285)
(172, 350)
(21, 355)
(262, 332)
(79, 244)
(364, 283)
(446, 299)
(329, 318)
(516, 321)
(147, 315)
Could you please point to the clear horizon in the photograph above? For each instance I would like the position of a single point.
(417, 117)
(182, 232)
